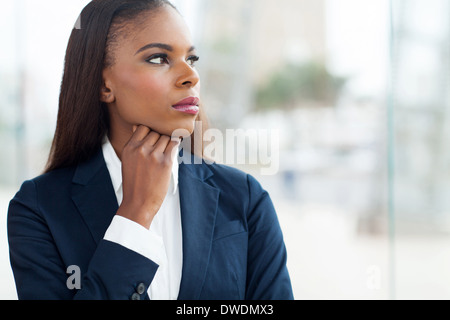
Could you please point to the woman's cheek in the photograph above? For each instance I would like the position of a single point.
(142, 91)
(152, 87)
(141, 81)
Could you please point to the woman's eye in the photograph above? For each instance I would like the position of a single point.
(161, 59)
(192, 60)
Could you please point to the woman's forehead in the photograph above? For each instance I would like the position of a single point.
(165, 25)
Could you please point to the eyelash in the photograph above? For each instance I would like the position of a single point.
(164, 56)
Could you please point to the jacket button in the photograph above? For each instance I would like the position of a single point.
(135, 296)
(140, 289)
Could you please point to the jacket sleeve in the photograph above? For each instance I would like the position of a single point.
(267, 274)
(114, 272)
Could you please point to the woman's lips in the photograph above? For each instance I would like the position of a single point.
(188, 105)
(187, 109)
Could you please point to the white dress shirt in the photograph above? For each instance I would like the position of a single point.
(162, 243)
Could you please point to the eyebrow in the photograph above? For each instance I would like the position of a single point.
(161, 46)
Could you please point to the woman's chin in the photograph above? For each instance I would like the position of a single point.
(181, 132)
(182, 129)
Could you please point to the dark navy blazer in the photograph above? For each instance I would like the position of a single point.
(232, 242)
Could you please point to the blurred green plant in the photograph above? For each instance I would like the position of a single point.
(295, 85)
(225, 45)
(3, 123)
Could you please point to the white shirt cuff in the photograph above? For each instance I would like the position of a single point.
(137, 238)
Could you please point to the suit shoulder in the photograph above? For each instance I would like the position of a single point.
(50, 182)
(237, 179)
(30, 192)
(226, 171)
(55, 177)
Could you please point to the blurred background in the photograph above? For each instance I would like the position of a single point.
(359, 93)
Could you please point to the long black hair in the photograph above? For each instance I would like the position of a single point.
(83, 120)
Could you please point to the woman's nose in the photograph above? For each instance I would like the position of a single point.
(189, 77)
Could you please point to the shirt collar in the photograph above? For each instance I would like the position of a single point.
(114, 166)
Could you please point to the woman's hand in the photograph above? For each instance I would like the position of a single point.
(146, 170)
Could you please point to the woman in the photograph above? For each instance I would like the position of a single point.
(115, 215)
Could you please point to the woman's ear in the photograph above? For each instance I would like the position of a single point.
(106, 92)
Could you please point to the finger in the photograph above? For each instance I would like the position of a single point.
(172, 147)
(162, 143)
(140, 133)
(152, 138)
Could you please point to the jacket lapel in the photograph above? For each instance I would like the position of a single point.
(198, 202)
(93, 195)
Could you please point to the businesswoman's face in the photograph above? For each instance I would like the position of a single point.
(150, 78)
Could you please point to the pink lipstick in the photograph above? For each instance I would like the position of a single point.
(188, 105)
